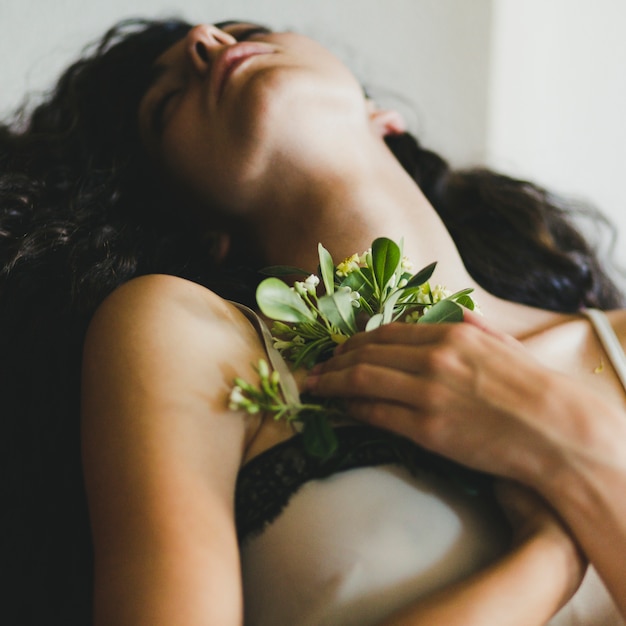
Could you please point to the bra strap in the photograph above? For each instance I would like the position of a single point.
(287, 382)
(609, 341)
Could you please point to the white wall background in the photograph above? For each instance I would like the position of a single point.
(557, 100)
(536, 88)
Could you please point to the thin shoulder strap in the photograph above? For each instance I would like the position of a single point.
(287, 381)
(609, 341)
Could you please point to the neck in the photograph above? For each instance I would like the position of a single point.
(346, 208)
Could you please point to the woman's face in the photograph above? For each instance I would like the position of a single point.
(231, 112)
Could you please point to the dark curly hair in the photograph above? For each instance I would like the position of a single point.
(517, 239)
(81, 213)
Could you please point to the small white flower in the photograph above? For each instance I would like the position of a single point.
(236, 399)
(413, 317)
(311, 283)
(264, 370)
(402, 283)
(347, 266)
(423, 295)
(406, 264)
(282, 345)
(440, 293)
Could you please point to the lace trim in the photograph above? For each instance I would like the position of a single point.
(266, 484)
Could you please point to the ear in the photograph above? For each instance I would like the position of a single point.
(386, 121)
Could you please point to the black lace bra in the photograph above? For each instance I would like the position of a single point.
(267, 482)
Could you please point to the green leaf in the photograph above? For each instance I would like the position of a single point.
(462, 292)
(422, 276)
(282, 270)
(388, 308)
(356, 281)
(338, 310)
(279, 302)
(385, 258)
(374, 322)
(327, 268)
(465, 301)
(444, 311)
(318, 435)
(312, 353)
(370, 281)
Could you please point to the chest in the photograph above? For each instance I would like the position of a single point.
(576, 350)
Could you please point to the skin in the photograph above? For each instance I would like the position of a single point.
(297, 156)
(562, 435)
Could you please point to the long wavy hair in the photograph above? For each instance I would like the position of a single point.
(81, 212)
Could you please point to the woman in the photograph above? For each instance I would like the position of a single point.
(529, 423)
(236, 127)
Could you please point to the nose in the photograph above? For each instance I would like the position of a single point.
(203, 41)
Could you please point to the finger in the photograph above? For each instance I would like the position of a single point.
(397, 333)
(389, 415)
(370, 381)
(402, 357)
(478, 321)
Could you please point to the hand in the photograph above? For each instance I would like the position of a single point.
(458, 389)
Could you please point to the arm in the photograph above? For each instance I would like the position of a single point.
(527, 586)
(161, 454)
(528, 423)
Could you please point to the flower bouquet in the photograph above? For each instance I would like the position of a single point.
(313, 317)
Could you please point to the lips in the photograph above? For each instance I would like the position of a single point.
(232, 58)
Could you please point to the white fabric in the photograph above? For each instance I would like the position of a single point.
(350, 549)
(591, 606)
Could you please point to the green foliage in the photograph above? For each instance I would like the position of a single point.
(361, 293)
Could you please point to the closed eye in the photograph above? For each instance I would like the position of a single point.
(251, 32)
(242, 31)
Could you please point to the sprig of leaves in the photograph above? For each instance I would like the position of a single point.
(311, 418)
(361, 293)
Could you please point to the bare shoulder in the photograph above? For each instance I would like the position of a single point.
(149, 297)
(152, 312)
(161, 450)
(164, 348)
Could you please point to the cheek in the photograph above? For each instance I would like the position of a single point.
(203, 163)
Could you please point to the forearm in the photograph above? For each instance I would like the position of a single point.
(579, 467)
(590, 498)
(525, 587)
